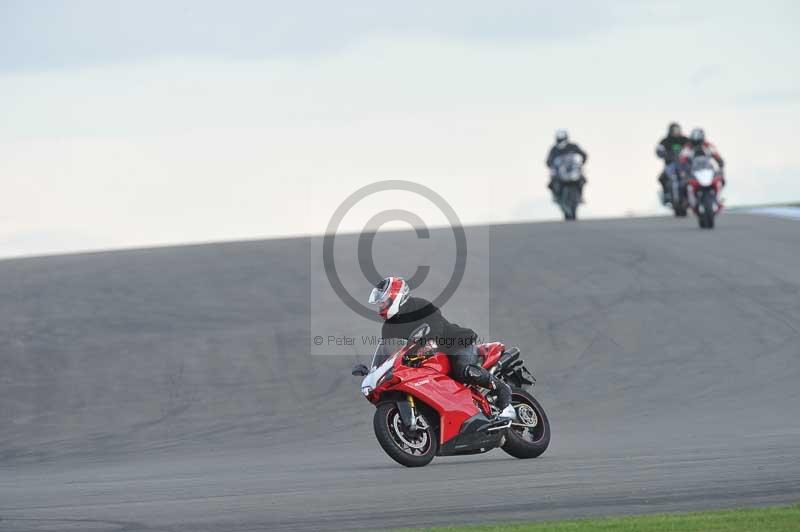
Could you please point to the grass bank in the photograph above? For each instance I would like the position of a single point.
(776, 519)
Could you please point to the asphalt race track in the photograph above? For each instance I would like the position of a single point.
(164, 389)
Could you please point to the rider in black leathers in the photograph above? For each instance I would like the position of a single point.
(562, 147)
(668, 149)
(403, 314)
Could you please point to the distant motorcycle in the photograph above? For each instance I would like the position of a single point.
(569, 170)
(422, 413)
(703, 189)
(677, 198)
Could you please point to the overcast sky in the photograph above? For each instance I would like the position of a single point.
(139, 123)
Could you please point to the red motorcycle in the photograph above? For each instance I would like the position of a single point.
(703, 189)
(422, 412)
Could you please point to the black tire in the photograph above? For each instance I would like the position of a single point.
(701, 214)
(386, 423)
(564, 205)
(526, 442)
(570, 203)
(708, 208)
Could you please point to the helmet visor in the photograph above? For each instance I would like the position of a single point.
(378, 297)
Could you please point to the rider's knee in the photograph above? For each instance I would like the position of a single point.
(471, 370)
(475, 374)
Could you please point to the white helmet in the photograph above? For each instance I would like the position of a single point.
(390, 294)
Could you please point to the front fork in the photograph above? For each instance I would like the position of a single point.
(408, 412)
(692, 197)
(414, 416)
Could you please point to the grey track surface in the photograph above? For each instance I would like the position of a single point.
(161, 390)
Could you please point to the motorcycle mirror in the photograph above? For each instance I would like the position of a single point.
(360, 370)
(419, 333)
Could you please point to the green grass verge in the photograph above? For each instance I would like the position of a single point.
(777, 519)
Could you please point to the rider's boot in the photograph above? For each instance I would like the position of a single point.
(508, 413)
(503, 399)
(500, 390)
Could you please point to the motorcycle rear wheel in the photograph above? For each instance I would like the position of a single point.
(411, 449)
(525, 441)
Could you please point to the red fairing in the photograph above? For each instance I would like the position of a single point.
(716, 184)
(451, 399)
(438, 362)
(430, 384)
(491, 353)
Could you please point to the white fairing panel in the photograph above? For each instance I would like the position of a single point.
(371, 381)
(704, 176)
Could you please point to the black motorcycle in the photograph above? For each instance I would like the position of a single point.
(569, 174)
(675, 193)
(678, 198)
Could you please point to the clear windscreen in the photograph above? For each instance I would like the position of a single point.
(702, 163)
(569, 165)
(384, 350)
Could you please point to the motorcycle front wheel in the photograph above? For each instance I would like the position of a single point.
(708, 207)
(529, 435)
(569, 202)
(404, 446)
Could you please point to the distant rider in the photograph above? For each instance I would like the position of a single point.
(563, 147)
(697, 146)
(668, 149)
(403, 314)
